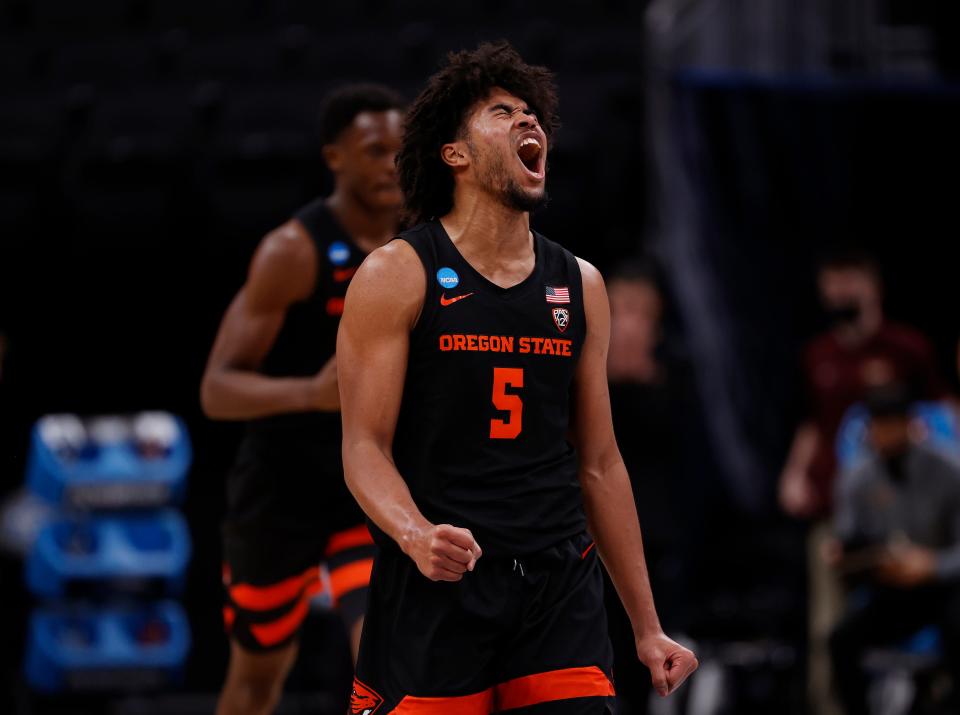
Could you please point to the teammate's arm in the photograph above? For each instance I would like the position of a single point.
(382, 305)
(282, 272)
(608, 497)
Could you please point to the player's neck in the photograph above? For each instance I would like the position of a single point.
(368, 229)
(482, 225)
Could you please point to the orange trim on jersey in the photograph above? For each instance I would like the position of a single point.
(553, 685)
(587, 550)
(269, 634)
(349, 539)
(229, 616)
(476, 704)
(350, 577)
(264, 598)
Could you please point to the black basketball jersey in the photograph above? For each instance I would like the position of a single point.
(482, 434)
(289, 469)
(308, 337)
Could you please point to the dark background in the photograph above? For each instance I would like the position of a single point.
(146, 146)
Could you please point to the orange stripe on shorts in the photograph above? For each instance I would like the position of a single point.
(349, 539)
(350, 577)
(553, 685)
(268, 634)
(263, 598)
(476, 704)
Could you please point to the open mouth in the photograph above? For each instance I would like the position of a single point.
(530, 153)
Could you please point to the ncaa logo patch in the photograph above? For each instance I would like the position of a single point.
(338, 253)
(448, 278)
(561, 318)
(364, 700)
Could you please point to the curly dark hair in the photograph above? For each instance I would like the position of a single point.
(437, 117)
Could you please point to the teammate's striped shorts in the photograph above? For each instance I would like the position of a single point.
(264, 609)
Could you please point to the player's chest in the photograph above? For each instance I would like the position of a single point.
(475, 325)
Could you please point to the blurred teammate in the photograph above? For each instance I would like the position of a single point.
(468, 353)
(273, 365)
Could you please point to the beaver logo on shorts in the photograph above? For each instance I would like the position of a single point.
(561, 317)
(364, 700)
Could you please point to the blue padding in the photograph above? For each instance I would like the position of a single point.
(109, 648)
(72, 467)
(132, 553)
(938, 419)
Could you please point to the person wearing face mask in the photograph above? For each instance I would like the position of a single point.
(860, 349)
(897, 535)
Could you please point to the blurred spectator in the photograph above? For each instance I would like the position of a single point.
(653, 402)
(860, 350)
(898, 529)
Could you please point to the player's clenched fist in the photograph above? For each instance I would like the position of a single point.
(669, 662)
(444, 552)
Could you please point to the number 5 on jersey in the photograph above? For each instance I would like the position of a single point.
(504, 377)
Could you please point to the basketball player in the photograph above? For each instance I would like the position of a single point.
(469, 352)
(273, 365)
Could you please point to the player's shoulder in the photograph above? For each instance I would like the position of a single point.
(394, 257)
(589, 274)
(283, 269)
(287, 248)
(393, 271)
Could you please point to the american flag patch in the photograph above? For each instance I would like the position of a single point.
(557, 294)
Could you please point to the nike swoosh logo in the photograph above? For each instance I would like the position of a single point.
(444, 301)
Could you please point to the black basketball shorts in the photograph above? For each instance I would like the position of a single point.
(524, 635)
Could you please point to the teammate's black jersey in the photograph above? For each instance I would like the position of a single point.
(289, 466)
(481, 438)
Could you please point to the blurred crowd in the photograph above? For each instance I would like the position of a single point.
(872, 478)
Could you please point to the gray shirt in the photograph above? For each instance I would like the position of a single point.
(873, 508)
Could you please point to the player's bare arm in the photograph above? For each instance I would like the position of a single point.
(608, 497)
(282, 272)
(382, 306)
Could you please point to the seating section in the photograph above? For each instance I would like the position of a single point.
(160, 112)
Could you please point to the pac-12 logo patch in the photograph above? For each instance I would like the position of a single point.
(561, 318)
(448, 278)
(364, 700)
(338, 253)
